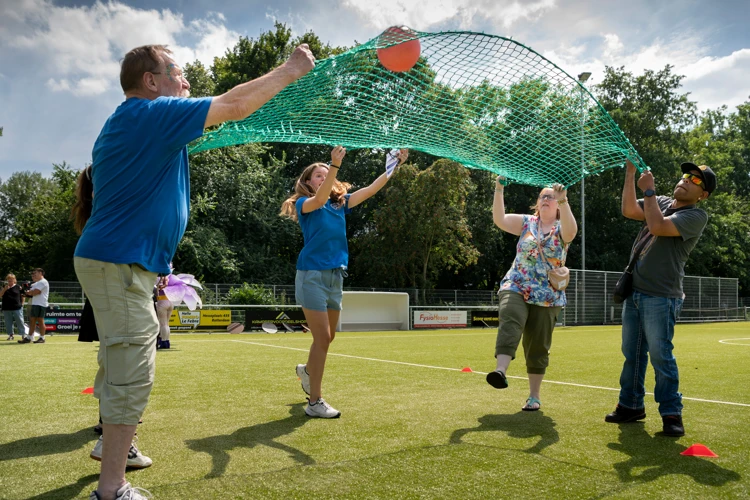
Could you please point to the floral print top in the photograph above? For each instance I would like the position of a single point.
(528, 275)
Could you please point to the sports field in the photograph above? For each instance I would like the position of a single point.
(226, 420)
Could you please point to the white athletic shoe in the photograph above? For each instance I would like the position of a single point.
(321, 409)
(127, 492)
(136, 460)
(304, 378)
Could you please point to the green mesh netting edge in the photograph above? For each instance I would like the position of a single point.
(485, 101)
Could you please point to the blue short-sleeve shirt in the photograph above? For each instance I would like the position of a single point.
(324, 231)
(142, 182)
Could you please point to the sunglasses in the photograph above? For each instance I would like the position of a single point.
(695, 180)
(547, 197)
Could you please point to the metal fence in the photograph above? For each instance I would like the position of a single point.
(589, 297)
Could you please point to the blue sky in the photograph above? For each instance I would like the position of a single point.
(59, 59)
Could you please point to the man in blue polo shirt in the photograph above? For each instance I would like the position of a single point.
(141, 192)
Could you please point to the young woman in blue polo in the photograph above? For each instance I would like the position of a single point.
(320, 203)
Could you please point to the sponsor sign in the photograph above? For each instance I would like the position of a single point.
(294, 318)
(439, 319)
(486, 318)
(63, 320)
(200, 320)
(68, 320)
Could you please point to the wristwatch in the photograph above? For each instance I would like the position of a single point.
(649, 193)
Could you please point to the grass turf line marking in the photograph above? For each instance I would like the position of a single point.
(417, 365)
(725, 341)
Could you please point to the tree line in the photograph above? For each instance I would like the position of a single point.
(431, 226)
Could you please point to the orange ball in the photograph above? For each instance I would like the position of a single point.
(402, 56)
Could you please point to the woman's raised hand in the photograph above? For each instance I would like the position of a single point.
(560, 192)
(337, 155)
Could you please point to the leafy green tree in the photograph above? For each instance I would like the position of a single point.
(655, 116)
(236, 199)
(43, 234)
(201, 81)
(419, 228)
(17, 193)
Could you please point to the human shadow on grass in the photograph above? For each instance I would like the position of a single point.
(51, 444)
(660, 456)
(71, 490)
(521, 425)
(248, 437)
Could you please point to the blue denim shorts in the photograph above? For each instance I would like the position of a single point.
(320, 290)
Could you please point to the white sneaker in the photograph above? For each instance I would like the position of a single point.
(304, 378)
(136, 460)
(321, 409)
(127, 492)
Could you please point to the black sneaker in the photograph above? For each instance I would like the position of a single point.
(40, 340)
(673, 426)
(25, 340)
(623, 415)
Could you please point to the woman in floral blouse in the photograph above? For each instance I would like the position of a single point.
(529, 305)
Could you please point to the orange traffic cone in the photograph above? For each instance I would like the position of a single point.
(88, 390)
(466, 370)
(699, 450)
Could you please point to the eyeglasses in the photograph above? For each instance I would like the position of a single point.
(695, 180)
(547, 197)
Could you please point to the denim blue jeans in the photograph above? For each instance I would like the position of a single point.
(648, 330)
(14, 317)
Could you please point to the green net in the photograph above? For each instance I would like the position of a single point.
(485, 101)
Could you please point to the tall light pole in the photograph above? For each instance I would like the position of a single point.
(582, 78)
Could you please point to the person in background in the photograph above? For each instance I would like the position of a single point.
(39, 293)
(164, 310)
(13, 301)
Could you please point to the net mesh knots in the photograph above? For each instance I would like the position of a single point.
(485, 101)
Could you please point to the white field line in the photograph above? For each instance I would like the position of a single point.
(480, 373)
(726, 341)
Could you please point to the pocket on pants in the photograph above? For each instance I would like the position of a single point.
(127, 359)
(129, 278)
(96, 287)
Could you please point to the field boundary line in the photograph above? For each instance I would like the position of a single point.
(418, 365)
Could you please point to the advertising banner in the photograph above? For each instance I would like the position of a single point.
(282, 318)
(63, 320)
(439, 319)
(200, 320)
(487, 318)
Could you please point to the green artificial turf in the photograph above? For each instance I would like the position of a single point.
(226, 420)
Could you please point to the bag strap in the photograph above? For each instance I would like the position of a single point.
(539, 244)
(644, 236)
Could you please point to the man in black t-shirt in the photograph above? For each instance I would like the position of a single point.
(13, 301)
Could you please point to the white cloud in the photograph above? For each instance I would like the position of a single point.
(58, 85)
(612, 45)
(82, 46)
(711, 80)
(215, 39)
(422, 15)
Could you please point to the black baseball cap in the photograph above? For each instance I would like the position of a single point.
(708, 175)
